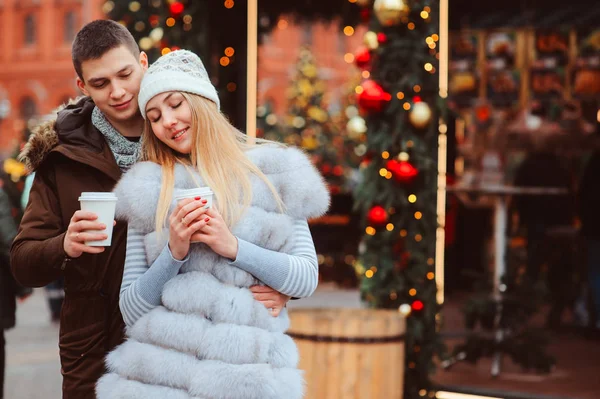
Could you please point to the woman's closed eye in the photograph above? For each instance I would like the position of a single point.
(155, 119)
(176, 105)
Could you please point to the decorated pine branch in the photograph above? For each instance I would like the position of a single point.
(397, 195)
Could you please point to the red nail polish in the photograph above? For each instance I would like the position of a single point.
(204, 201)
(197, 198)
(207, 219)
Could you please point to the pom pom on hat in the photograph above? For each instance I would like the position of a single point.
(179, 70)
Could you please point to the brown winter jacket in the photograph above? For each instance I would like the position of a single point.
(70, 156)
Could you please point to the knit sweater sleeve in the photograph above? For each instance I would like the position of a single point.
(143, 284)
(295, 274)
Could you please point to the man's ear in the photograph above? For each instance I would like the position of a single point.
(81, 86)
(144, 60)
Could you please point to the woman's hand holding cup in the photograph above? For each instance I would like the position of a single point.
(217, 235)
(188, 217)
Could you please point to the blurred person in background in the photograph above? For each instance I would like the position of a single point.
(9, 290)
(539, 215)
(589, 214)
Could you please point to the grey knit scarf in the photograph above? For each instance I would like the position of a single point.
(126, 152)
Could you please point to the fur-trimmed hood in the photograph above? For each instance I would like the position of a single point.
(70, 124)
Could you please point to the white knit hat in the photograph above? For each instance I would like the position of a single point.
(179, 70)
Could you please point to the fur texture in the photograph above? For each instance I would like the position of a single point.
(210, 338)
(43, 139)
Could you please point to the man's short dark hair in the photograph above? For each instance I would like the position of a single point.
(97, 38)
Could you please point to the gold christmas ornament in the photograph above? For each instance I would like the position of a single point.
(420, 115)
(356, 126)
(390, 12)
(370, 40)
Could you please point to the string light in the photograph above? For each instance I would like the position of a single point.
(282, 24)
(412, 198)
(385, 155)
(358, 89)
(134, 6)
(369, 274)
(366, 74)
(429, 40)
(406, 106)
(430, 261)
(418, 238)
(229, 4)
(349, 58)
(165, 51)
(229, 51)
(224, 61)
(231, 86)
(417, 88)
(388, 175)
(400, 95)
(383, 172)
(389, 227)
(418, 215)
(411, 26)
(108, 7)
(170, 22)
(370, 231)
(187, 19)
(428, 67)
(393, 295)
(430, 276)
(412, 292)
(410, 144)
(348, 30)
(403, 233)
(424, 14)
(187, 27)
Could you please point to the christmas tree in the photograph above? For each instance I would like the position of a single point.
(397, 194)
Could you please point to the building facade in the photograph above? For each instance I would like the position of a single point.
(36, 72)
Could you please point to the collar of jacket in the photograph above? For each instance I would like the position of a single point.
(69, 131)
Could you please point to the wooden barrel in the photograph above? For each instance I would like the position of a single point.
(350, 353)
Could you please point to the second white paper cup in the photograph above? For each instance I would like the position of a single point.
(203, 192)
(103, 205)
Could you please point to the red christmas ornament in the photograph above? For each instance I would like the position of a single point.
(417, 99)
(381, 38)
(417, 306)
(377, 215)
(373, 98)
(326, 168)
(362, 58)
(365, 15)
(338, 170)
(402, 171)
(176, 8)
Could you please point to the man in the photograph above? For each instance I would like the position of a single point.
(86, 148)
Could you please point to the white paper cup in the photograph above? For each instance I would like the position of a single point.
(103, 205)
(203, 192)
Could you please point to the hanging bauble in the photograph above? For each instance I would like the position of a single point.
(377, 216)
(417, 306)
(420, 115)
(176, 8)
(370, 40)
(405, 309)
(356, 126)
(390, 12)
(402, 171)
(365, 15)
(362, 57)
(381, 38)
(373, 98)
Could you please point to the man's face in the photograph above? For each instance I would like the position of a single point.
(113, 82)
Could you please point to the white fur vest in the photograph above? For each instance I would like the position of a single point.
(210, 339)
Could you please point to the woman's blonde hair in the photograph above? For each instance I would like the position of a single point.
(218, 155)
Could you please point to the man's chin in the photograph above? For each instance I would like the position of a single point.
(123, 116)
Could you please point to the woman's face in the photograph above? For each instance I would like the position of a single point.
(171, 118)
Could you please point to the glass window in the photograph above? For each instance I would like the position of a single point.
(27, 108)
(69, 23)
(30, 29)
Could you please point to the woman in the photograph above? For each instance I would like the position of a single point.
(195, 329)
